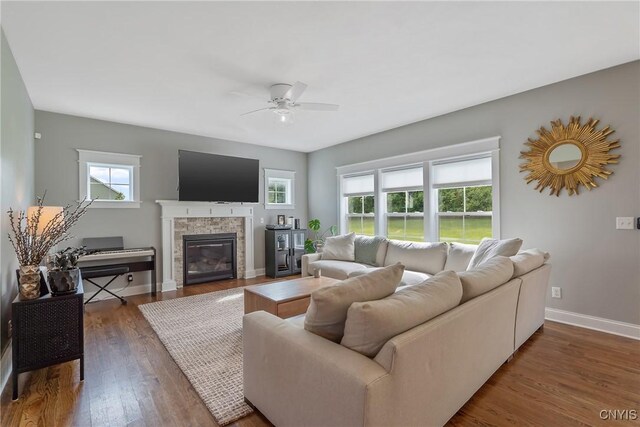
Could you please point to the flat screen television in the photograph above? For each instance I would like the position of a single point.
(204, 177)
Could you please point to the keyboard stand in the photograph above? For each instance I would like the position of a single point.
(89, 273)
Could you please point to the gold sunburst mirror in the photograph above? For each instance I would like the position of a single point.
(569, 156)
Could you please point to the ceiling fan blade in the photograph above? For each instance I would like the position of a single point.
(255, 111)
(316, 106)
(295, 91)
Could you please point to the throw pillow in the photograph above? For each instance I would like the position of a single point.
(327, 310)
(371, 324)
(487, 276)
(340, 248)
(459, 256)
(526, 261)
(423, 257)
(366, 249)
(489, 248)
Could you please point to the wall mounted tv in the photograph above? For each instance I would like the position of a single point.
(204, 177)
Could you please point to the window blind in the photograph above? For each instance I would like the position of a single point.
(410, 178)
(357, 185)
(465, 172)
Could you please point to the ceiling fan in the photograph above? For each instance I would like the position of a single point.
(284, 98)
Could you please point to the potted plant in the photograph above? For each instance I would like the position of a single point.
(34, 233)
(315, 245)
(63, 272)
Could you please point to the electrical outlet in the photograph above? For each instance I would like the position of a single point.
(129, 277)
(261, 220)
(556, 292)
(624, 223)
(9, 329)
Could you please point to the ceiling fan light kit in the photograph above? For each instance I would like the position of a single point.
(284, 99)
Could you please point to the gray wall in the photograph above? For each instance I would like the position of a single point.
(57, 172)
(16, 152)
(597, 266)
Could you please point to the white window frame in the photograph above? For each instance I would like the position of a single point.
(384, 220)
(487, 146)
(462, 184)
(359, 215)
(88, 158)
(343, 201)
(289, 177)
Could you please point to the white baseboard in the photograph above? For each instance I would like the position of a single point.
(169, 285)
(123, 292)
(251, 274)
(628, 330)
(6, 366)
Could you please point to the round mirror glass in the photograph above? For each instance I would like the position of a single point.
(565, 156)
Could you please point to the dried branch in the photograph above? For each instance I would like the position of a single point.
(32, 247)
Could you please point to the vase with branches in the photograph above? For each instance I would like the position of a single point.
(313, 245)
(32, 240)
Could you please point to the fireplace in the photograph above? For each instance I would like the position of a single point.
(209, 257)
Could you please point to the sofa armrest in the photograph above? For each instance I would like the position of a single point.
(531, 303)
(308, 259)
(292, 375)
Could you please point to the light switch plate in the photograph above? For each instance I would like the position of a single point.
(624, 223)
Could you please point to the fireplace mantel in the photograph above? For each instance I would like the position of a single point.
(172, 209)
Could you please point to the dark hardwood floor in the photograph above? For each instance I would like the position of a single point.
(563, 375)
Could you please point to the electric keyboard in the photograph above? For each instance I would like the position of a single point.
(117, 254)
(107, 257)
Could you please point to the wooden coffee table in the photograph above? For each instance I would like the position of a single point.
(284, 299)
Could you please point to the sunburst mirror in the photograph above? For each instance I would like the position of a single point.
(569, 156)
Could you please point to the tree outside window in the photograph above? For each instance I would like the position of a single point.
(464, 214)
(361, 215)
(405, 215)
(278, 191)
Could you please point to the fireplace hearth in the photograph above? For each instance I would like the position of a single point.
(209, 257)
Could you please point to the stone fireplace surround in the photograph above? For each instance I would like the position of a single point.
(180, 218)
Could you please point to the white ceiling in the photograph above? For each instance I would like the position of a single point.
(175, 65)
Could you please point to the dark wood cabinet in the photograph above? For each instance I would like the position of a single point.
(283, 252)
(47, 331)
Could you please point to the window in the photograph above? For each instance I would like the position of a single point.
(448, 193)
(358, 196)
(404, 195)
(111, 180)
(279, 189)
(464, 199)
(107, 182)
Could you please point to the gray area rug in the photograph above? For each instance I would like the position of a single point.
(203, 334)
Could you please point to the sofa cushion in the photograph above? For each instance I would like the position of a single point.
(422, 257)
(368, 248)
(526, 261)
(339, 247)
(336, 269)
(489, 248)
(327, 310)
(489, 275)
(371, 324)
(297, 321)
(409, 278)
(459, 256)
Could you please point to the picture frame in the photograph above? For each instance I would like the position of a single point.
(282, 220)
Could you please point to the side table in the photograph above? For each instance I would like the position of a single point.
(47, 331)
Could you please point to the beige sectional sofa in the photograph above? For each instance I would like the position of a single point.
(420, 377)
